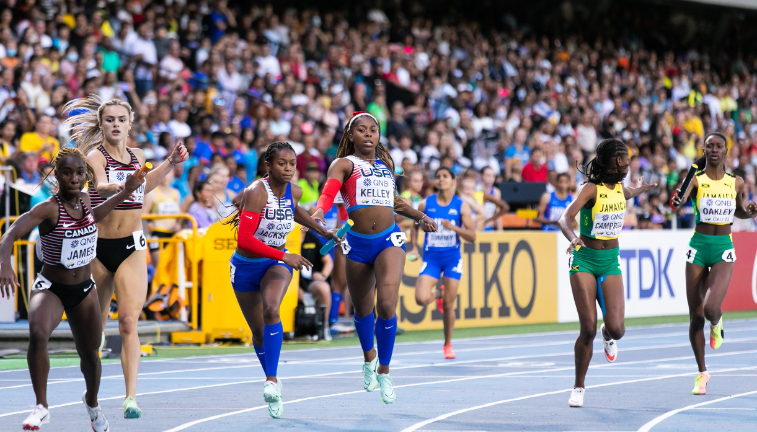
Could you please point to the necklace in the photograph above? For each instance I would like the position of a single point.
(76, 205)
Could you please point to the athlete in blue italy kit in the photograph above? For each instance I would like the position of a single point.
(553, 204)
(441, 250)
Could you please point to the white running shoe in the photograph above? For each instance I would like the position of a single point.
(387, 388)
(96, 415)
(611, 347)
(577, 397)
(272, 395)
(369, 374)
(37, 418)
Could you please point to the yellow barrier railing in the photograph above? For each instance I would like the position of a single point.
(194, 262)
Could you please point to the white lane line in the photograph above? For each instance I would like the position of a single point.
(647, 427)
(419, 425)
(254, 364)
(460, 340)
(219, 416)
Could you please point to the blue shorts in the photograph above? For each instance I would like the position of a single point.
(448, 262)
(246, 273)
(364, 248)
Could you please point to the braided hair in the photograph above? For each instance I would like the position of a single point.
(347, 147)
(61, 156)
(597, 171)
(268, 156)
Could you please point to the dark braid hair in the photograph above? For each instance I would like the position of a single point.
(701, 163)
(347, 147)
(597, 170)
(75, 152)
(270, 152)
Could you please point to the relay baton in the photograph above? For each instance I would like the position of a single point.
(687, 182)
(340, 233)
(142, 173)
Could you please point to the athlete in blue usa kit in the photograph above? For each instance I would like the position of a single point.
(441, 250)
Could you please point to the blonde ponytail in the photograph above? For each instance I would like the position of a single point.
(85, 127)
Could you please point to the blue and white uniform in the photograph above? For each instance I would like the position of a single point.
(276, 222)
(441, 249)
(370, 186)
(555, 208)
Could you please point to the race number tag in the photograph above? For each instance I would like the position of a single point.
(346, 248)
(729, 255)
(398, 239)
(690, 254)
(140, 243)
(232, 271)
(119, 176)
(41, 283)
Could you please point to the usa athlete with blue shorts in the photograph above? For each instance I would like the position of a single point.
(441, 250)
(375, 247)
(261, 268)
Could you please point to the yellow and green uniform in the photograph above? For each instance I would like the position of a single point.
(603, 221)
(715, 204)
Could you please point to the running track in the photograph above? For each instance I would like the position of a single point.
(514, 382)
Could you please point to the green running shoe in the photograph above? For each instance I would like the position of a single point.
(387, 388)
(716, 335)
(369, 374)
(131, 410)
(272, 395)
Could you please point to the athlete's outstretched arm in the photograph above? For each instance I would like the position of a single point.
(44, 212)
(502, 207)
(131, 184)
(302, 217)
(466, 231)
(742, 212)
(155, 177)
(588, 195)
(97, 161)
(641, 187)
(339, 172)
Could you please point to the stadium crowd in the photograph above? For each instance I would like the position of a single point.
(227, 82)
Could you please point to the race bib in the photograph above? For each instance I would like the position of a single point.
(232, 271)
(79, 251)
(168, 208)
(443, 238)
(41, 283)
(608, 224)
(690, 255)
(717, 210)
(346, 248)
(375, 188)
(398, 239)
(119, 176)
(729, 256)
(140, 242)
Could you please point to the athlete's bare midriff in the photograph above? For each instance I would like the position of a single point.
(120, 223)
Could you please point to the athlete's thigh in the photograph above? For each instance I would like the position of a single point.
(614, 298)
(251, 304)
(45, 312)
(584, 286)
(450, 289)
(85, 323)
(696, 286)
(130, 283)
(424, 285)
(274, 284)
(104, 281)
(361, 283)
(718, 281)
(389, 266)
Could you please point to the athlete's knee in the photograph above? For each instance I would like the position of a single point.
(257, 338)
(615, 331)
(385, 308)
(127, 324)
(587, 333)
(696, 321)
(712, 312)
(271, 313)
(449, 304)
(38, 336)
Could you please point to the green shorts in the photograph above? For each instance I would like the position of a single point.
(598, 262)
(707, 250)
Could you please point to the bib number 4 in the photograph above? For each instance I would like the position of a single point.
(398, 239)
(690, 254)
(729, 256)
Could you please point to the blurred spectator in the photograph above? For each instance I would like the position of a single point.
(202, 208)
(40, 141)
(535, 170)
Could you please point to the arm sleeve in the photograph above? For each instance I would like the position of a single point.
(329, 193)
(248, 224)
(343, 215)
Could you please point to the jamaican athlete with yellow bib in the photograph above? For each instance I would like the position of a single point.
(595, 274)
(709, 260)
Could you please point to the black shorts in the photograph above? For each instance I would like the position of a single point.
(159, 235)
(112, 252)
(69, 295)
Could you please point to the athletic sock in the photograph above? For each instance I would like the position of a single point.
(273, 337)
(386, 330)
(364, 329)
(260, 352)
(716, 323)
(336, 303)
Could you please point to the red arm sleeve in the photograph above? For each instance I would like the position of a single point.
(248, 224)
(343, 215)
(329, 193)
